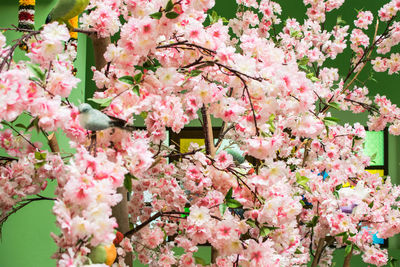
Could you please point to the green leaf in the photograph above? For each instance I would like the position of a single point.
(392, 262)
(128, 182)
(20, 125)
(233, 203)
(213, 17)
(336, 194)
(302, 181)
(35, 79)
(370, 205)
(330, 121)
(251, 222)
(37, 71)
(339, 20)
(138, 77)
(303, 67)
(265, 231)
(314, 79)
(298, 251)
(127, 79)
(373, 157)
(335, 105)
(296, 34)
(222, 208)
(103, 102)
(187, 210)
(229, 194)
(348, 249)
(195, 73)
(169, 6)
(144, 114)
(156, 15)
(39, 164)
(313, 222)
(342, 234)
(40, 156)
(136, 90)
(172, 15)
(34, 123)
(303, 61)
(199, 260)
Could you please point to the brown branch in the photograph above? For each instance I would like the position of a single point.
(368, 107)
(252, 109)
(318, 253)
(53, 143)
(237, 175)
(347, 259)
(186, 43)
(156, 216)
(208, 132)
(21, 204)
(8, 57)
(181, 155)
(23, 137)
(224, 130)
(366, 54)
(88, 32)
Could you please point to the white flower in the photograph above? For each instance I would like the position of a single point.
(55, 32)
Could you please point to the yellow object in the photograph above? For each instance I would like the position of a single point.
(26, 2)
(347, 185)
(74, 23)
(111, 254)
(373, 171)
(185, 143)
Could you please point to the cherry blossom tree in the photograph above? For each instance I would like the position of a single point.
(172, 62)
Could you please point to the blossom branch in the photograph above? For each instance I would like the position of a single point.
(363, 58)
(208, 134)
(21, 204)
(368, 107)
(347, 259)
(19, 134)
(318, 253)
(7, 59)
(156, 216)
(237, 175)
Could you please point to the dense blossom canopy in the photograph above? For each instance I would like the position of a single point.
(173, 62)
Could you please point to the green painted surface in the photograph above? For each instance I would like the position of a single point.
(374, 147)
(26, 240)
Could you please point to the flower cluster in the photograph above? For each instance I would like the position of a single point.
(296, 183)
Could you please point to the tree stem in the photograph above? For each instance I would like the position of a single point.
(210, 150)
(208, 132)
(99, 46)
(347, 259)
(120, 211)
(318, 253)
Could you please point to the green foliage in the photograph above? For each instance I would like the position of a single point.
(103, 102)
(214, 18)
(302, 181)
(127, 79)
(172, 15)
(156, 15)
(170, 6)
(37, 72)
(199, 260)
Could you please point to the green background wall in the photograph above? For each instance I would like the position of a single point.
(26, 241)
